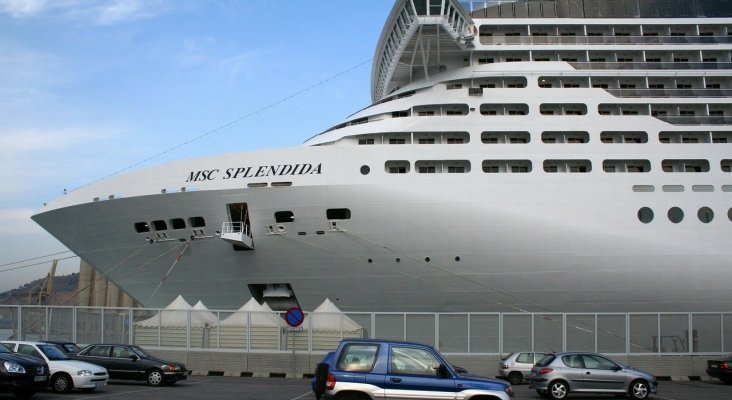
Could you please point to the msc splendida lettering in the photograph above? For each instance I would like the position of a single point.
(254, 172)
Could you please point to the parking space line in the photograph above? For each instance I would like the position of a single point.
(301, 396)
(118, 394)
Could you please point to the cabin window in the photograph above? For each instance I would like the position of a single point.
(726, 165)
(338, 213)
(365, 141)
(160, 225)
(626, 166)
(685, 165)
(572, 166)
(196, 222)
(142, 227)
(177, 223)
(397, 167)
(284, 216)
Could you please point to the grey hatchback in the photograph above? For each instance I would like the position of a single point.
(556, 375)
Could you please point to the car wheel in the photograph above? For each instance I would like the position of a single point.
(515, 378)
(61, 383)
(558, 390)
(24, 394)
(639, 390)
(154, 377)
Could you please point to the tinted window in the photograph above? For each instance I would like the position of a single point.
(546, 360)
(53, 352)
(573, 361)
(358, 357)
(29, 350)
(597, 362)
(98, 351)
(413, 361)
(524, 358)
(121, 352)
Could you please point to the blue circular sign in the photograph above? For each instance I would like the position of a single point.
(294, 317)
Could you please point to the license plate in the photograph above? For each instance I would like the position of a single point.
(713, 365)
(39, 378)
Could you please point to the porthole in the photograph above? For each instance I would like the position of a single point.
(398, 259)
(645, 215)
(426, 259)
(370, 261)
(729, 214)
(365, 170)
(705, 214)
(457, 258)
(675, 215)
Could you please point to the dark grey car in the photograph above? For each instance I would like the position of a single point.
(556, 375)
(133, 363)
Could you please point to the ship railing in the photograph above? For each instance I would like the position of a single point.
(641, 92)
(695, 120)
(235, 227)
(626, 65)
(487, 39)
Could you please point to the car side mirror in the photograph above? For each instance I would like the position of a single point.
(134, 357)
(617, 368)
(442, 371)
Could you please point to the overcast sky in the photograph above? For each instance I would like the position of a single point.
(92, 87)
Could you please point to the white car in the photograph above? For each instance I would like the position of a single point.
(66, 373)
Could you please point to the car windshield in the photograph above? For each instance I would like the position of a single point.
(4, 350)
(52, 352)
(140, 352)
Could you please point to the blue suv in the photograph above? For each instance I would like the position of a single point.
(363, 369)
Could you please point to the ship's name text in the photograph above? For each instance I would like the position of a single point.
(254, 172)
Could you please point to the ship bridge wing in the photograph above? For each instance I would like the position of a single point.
(420, 38)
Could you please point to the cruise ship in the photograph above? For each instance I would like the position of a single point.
(518, 156)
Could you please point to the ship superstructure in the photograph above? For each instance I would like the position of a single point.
(563, 156)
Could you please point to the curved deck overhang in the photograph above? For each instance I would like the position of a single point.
(417, 37)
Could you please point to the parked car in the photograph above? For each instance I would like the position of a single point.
(67, 347)
(517, 365)
(721, 368)
(66, 374)
(21, 375)
(557, 375)
(133, 363)
(371, 368)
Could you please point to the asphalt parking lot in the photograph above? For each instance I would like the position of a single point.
(222, 388)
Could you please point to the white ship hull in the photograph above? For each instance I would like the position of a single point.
(433, 242)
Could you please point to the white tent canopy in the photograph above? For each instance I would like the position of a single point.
(175, 315)
(328, 317)
(257, 314)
